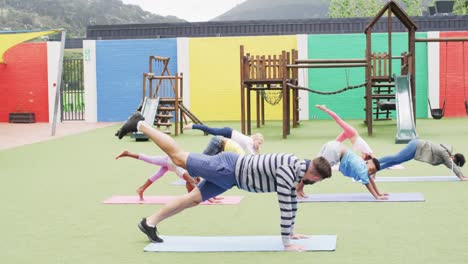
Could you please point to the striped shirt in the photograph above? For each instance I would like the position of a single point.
(273, 173)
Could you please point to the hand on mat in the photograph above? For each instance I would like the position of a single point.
(216, 199)
(300, 190)
(381, 197)
(189, 186)
(293, 247)
(301, 194)
(298, 236)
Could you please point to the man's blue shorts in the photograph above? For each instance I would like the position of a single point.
(217, 171)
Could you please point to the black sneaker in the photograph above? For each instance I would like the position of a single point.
(150, 232)
(130, 125)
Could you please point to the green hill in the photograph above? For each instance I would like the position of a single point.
(284, 9)
(73, 15)
(276, 9)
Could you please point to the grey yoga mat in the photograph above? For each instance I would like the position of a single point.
(238, 243)
(417, 179)
(362, 197)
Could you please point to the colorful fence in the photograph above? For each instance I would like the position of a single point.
(215, 74)
(24, 81)
(120, 65)
(351, 104)
(453, 74)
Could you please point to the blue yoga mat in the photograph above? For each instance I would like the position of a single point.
(362, 197)
(417, 179)
(238, 243)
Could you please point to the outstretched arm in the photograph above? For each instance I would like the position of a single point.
(288, 205)
(457, 171)
(300, 190)
(374, 193)
(372, 182)
(449, 163)
(190, 182)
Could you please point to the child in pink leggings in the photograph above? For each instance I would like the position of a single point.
(350, 133)
(166, 165)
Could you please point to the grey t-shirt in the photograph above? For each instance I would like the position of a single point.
(436, 154)
(331, 151)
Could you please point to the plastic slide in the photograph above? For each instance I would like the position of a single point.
(406, 127)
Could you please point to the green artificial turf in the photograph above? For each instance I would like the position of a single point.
(51, 210)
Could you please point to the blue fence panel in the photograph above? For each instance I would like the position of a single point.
(120, 65)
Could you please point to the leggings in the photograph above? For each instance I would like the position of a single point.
(214, 147)
(225, 131)
(156, 160)
(348, 130)
(407, 153)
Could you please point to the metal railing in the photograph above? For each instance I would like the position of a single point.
(72, 91)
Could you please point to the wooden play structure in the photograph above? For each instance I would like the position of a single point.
(267, 76)
(378, 78)
(159, 83)
(266, 73)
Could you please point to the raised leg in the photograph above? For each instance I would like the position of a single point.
(224, 131)
(407, 153)
(156, 160)
(349, 132)
(165, 143)
(127, 153)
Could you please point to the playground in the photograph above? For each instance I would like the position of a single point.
(53, 211)
(59, 165)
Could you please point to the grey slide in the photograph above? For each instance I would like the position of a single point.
(406, 127)
(417, 179)
(238, 243)
(362, 197)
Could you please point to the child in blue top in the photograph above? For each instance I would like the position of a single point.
(351, 165)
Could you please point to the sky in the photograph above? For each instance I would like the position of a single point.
(190, 10)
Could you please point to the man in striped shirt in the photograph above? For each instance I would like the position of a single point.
(254, 173)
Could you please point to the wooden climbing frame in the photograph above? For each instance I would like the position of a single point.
(266, 73)
(171, 87)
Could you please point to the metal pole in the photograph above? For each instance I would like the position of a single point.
(59, 83)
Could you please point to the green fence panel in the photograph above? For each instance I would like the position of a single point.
(350, 104)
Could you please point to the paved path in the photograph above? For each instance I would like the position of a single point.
(14, 135)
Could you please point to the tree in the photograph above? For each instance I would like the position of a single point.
(460, 7)
(369, 8)
(413, 7)
(354, 8)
